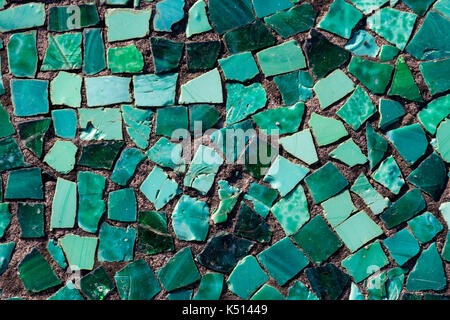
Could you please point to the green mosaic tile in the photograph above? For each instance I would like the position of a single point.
(166, 54)
(283, 260)
(228, 196)
(64, 205)
(301, 91)
(32, 134)
(36, 273)
(210, 287)
(388, 52)
(198, 19)
(10, 156)
(126, 165)
(370, 196)
(93, 51)
(246, 277)
(100, 155)
(442, 142)
(63, 52)
(22, 54)
(36, 93)
(425, 227)
(239, 67)
(404, 208)
(194, 90)
(203, 114)
(262, 198)
(243, 101)
(298, 291)
(202, 55)
(138, 124)
(6, 250)
(228, 15)
(57, 253)
(317, 240)
(122, 205)
(318, 185)
(434, 113)
(124, 24)
(328, 281)
(25, 184)
(6, 128)
(291, 211)
(434, 74)
(403, 83)
(389, 175)
(65, 123)
(125, 59)
(332, 88)
(281, 59)
(338, 208)
(158, 188)
(267, 292)
(349, 153)
(390, 112)
(410, 141)
(153, 236)
(24, 16)
(373, 75)
(100, 124)
(163, 21)
(68, 292)
(283, 119)
(190, 219)
(115, 243)
(107, 90)
(251, 225)
(357, 109)
(90, 200)
(60, 18)
(363, 44)
(74, 245)
(97, 284)
(5, 218)
(340, 19)
(290, 22)
(301, 146)
(402, 246)
(31, 220)
(61, 156)
(65, 89)
(250, 37)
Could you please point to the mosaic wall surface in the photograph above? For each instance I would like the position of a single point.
(122, 179)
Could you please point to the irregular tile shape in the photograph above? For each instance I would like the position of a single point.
(138, 124)
(32, 134)
(240, 67)
(63, 52)
(280, 120)
(246, 277)
(292, 210)
(107, 90)
(251, 225)
(61, 156)
(301, 146)
(338, 208)
(283, 175)
(357, 109)
(100, 124)
(404, 208)
(365, 262)
(182, 294)
(363, 44)
(442, 140)
(93, 51)
(65, 89)
(170, 120)
(370, 196)
(419, 7)
(263, 8)
(202, 55)
(68, 292)
(357, 230)
(97, 284)
(403, 84)
(298, 291)
(206, 88)
(250, 37)
(282, 58)
(203, 169)
(223, 251)
(25, 184)
(290, 22)
(388, 52)
(124, 24)
(137, 281)
(349, 153)
(126, 165)
(262, 198)
(158, 188)
(22, 54)
(167, 155)
(6, 250)
(5, 218)
(64, 205)
(332, 88)
(425, 227)
(434, 73)
(198, 19)
(410, 141)
(126, 59)
(57, 253)
(166, 53)
(243, 101)
(153, 236)
(36, 273)
(374, 76)
(168, 13)
(6, 128)
(231, 14)
(10, 154)
(90, 204)
(190, 219)
(390, 112)
(317, 240)
(341, 18)
(389, 175)
(376, 146)
(210, 287)
(402, 246)
(328, 281)
(368, 6)
(29, 97)
(79, 251)
(393, 25)
(100, 155)
(179, 271)
(323, 55)
(267, 292)
(431, 41)
(318, 182)
(31, 220)
(435, 111)
(430, 176)
(428, 273)
(202, 117)
(65, 123)
(115, 243)
(283, 260)
(24, 16)
(122, 205)
(228, 196)
(295, 86)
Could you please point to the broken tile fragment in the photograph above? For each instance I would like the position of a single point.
(246, 277)
(363, 44)
(190, 219)
(206, 88)
(115, 243)
(425, 227)
(229, 15)
(168, 13)
(122, 205)
(60, 18)
(390, 112)
(29, 97)
(100, 155)
(64, 205)
(389, 175)
(153, 236)
(281, 120)
(158, 188)
(198, 19)
(410, 141)
(374, 76)
(22, 54)
(332, 88)
(32, 134)
(282, 58)
(63, 52)
(239, 67)
(328, 281)
(138, 124)
(402, 246)
(61, 156)
(97, 284)
(290, 22)
(126, 59)
(250, 37)
(404, 208)
(370, 196)
(251, 225)
(107, 90)
(65, 123)
(25, 184)
(243, 101)
(31, 220)
(166, 53)
(349, 153)
(318, 182)
(202, 55)
(357, 109)
(210, 287)
(124, 24)
(338, 208)
(403, 83)
(340, 19)
(25, 16)
(228, 196)
(90, 204)
(93, 51)
(57, 253)
(262, 198)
